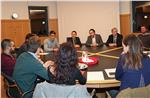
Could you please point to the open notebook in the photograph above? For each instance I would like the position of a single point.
(95, 76)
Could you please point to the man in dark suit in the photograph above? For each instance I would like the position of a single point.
(74, 39)
(115, 39)
(145, 37)
(94, 40)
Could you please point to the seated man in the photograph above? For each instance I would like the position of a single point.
(115, 39)
(51, 44)
(144, 37)
(94, 40)
(8, 61)
(74, 39)
(28, 67)
(23, 47)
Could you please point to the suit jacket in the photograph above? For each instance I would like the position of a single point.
(145, 38)
(118, 40)
(26, 70)
(99, 40)
(76, 41)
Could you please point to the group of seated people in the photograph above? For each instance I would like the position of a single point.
(93, 40)
(132, 68)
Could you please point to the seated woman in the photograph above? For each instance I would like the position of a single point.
(63, 75)
(133, 67)
(8, 61)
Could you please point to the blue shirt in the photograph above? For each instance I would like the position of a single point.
(131, 77)
(50, 44)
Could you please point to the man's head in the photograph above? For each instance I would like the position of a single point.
(114, 31)
(28, 36)
(52, 35)
(73, 34)
(8, 45)
(143, 29)
(34, 44)
(92, 32)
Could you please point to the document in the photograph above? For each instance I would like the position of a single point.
(110, 72)
(44, 53)
(95, 75)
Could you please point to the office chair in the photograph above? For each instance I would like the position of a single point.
(13, 90)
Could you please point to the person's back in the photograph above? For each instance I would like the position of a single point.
(142, 92)
(47, 90)
(132, 77)
(63, 72)
(28, 67)
(133, 66)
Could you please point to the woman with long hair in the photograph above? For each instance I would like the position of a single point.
(133, 68)
(63, 75)
(66, 71)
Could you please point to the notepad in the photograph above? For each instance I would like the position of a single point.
(110, 72)
(95, 76)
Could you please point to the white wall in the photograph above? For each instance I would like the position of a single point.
(125, 7)
(21, 7)
(79, 16)
(82, 16)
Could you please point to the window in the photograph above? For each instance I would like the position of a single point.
(140, 15)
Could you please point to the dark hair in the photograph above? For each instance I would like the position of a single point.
(5, 43)
(52, 32)
(33, 44)
(92, 30)
(135, 53)
(29, 35)
(144, 26)
(67, 61)
(74, 32)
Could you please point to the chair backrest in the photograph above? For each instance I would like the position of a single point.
(13, 90)
(47, 90)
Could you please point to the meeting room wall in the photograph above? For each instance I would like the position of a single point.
(16, 29)
(79, 16)
(125, 17)
(82, 16)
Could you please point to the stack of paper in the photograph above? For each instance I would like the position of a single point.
(95, 75)
(110, 72)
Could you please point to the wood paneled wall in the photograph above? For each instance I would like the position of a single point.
(17, 29)
(125, 24)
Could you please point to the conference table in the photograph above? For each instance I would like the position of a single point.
(107, 58)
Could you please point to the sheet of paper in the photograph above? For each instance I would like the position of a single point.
(95, 75)
(110, 72)
(44, 53)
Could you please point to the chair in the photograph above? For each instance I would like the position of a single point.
(13, 90)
